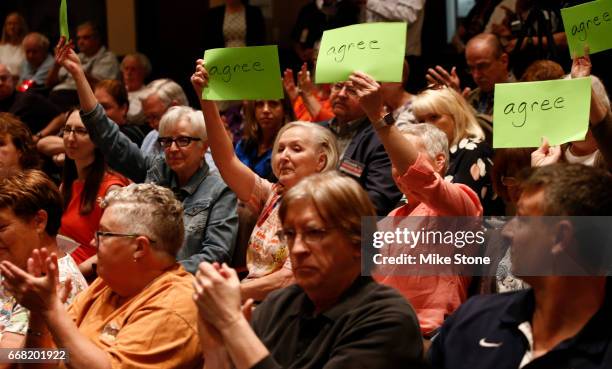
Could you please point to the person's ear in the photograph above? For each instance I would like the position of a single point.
(321, 162)
(440, 161)
(40, 220)
(504, 59)
(142, 247)
(564, 237)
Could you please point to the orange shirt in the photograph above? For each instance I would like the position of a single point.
(301, 113)
(81, 227)
(157, 328)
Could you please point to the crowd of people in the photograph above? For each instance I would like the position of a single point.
(137, 231)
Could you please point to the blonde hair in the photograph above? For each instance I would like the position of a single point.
(448, 101)
(321, 136)
(339, 200)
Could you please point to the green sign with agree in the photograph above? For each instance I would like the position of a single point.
(589, 24)
(243, 73)
(525, 112)
(63, 18)
(374, 48)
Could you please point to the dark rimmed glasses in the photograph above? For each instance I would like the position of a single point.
(181, 141)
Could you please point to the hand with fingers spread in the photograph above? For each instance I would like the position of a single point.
(199, 79)
(545, 154)
(370, 97)
(37, 289)
(217, 289)
(66, 57)
(304, 82)
(289, 84)
(439, 76)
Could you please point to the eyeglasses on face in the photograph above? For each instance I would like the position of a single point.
(100, 234)
(310, 236)
(509, 181)
(76, 130)
(181, 141)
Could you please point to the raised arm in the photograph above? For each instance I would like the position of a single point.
(400, 149)
(239, 177)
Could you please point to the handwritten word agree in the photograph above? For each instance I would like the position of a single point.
(340, 52)
(582, 29)
(523, 107)
(225, 71)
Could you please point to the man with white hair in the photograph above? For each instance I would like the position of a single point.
(38, 59)
(135, 68)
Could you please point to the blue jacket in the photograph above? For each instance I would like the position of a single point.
(210, 217)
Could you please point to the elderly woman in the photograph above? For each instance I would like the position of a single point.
(333, 317)
(17, 148)
(135, 68)
(30, 213)
(138, 314)
(210, 206)
(300, 149)
(419, 155)
(470, 156)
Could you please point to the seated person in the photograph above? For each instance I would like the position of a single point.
(85, 179)
(419, 155)
(563, 320)
(210, 206)
(38, 61)
(30, 213)
(31, 108)
(333, 317)
(17, 149)
(138, 313)
(135, 68)
(98, 64)
(264, 118)
(300, 149)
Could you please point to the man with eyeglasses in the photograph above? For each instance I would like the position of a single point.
(362, 155)
(487, 63)
(138, 313)
(98, 64)
(211, 221)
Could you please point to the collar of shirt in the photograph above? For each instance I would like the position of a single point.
(192, 185)
(346, 303)
(347, 129)
(87, 59)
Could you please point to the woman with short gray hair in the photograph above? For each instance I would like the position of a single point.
(210, 216)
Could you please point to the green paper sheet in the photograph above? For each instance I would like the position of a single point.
(590, 24)
(63, 18)
(525, 112)
(374, 48)
(243, 73)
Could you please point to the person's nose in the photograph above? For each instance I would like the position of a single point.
(266, 107)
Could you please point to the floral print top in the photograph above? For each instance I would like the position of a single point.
(470, 163)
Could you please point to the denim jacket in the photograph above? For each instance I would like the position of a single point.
(210, 217)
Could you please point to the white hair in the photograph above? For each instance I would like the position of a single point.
(167, 90)
(434, 139)
(183, 113)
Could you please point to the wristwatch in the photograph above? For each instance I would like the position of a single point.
(386, 121)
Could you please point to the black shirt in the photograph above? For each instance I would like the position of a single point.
(371, 327)
(484, 333)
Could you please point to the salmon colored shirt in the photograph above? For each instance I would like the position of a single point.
(432, 297)
(157, 328)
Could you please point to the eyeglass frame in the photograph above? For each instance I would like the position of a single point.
(174, 140)
(99, 234)
(307, 239)
(81, 132)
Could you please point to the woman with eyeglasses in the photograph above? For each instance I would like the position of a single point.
(86, 179)
(210, 216)
(300, 149)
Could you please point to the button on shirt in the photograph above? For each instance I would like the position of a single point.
(493, 331)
